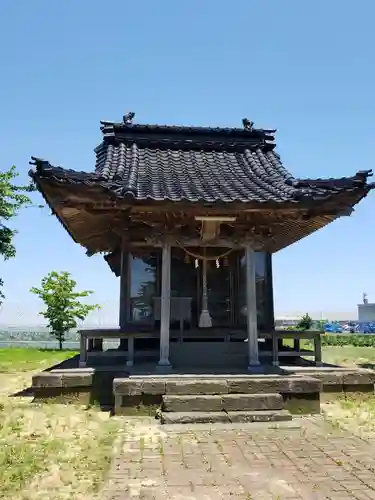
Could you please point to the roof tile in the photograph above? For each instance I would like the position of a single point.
(197, 164)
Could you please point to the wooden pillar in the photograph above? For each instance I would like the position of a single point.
(124, 315)
(251, 307)
(165, 306)
(83, 351)
(270, 326)
(318, 349)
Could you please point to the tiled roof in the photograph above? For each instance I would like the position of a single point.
(177, 174)
(197, 164)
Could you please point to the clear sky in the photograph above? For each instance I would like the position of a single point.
(306, 68)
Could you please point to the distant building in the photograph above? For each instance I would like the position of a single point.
(291, 319)
(366, 310)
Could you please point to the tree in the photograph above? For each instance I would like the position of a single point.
(63, 305)
(305, 323)
(2, 296)
(12, 199)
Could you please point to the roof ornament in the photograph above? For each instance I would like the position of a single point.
(39, 164)
(128, 118)
(247, 124)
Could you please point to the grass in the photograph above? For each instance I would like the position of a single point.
(48, 450)
(23, 359)
(342, 355)
(355, 413)
(350, 356)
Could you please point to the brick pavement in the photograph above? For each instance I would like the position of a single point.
(249, 462)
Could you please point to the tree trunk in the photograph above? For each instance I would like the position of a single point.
(60, 344)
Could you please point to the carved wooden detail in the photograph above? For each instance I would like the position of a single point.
(101, 224)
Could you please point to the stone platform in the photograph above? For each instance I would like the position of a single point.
(143, 390)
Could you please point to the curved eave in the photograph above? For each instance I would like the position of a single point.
(76, 221)
(94, 231)
(98, 190)
(41, 188)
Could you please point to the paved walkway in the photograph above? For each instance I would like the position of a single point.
(249, 462)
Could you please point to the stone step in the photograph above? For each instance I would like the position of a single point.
(245, 385)
(222, 402)
(200, 417)
(174, 385)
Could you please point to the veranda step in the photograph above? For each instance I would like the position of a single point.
(221, 402)
(200, 417)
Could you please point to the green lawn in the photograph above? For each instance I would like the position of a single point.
(343, 355)
(350, 356)
(25, 360)
(14, 359)
(48, 450)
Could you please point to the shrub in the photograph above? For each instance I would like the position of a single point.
(355, 340)
(305, 323)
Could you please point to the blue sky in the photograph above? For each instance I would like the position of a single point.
(306, 68)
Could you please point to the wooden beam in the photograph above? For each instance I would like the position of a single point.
(94, 206)
(196, 242)
(215, 218)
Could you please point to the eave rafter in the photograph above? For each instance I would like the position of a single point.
(102, 226)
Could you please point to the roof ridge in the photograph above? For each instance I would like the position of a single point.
(169, 133)
(203, 128)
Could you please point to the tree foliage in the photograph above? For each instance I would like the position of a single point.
(305, 323)
(12, 199)
(63, 305)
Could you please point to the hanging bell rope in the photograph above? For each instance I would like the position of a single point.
(205, 320)
(204, 257)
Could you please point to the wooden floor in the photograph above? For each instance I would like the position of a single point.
(196, 334)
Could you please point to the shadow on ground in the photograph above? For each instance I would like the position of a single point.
(368, 366)
(63, 365)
